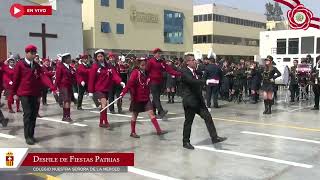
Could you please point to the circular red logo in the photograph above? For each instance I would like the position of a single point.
(17, 10)
(299, 17)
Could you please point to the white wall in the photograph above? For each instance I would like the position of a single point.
(66, 22)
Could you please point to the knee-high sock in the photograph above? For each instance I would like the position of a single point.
(10, 102)
(68, 112)
(133, 126)
(64, 112)
(18, 104)
(103, 117)
(156, 124)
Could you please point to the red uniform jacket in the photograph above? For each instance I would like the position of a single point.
(139, 86)
(8, 74)
(28, 81)
(83, 73)
(48, 71)
(155, 68)
(101, 79)
(64, 77)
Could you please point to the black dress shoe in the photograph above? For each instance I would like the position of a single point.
(30, 141)
(80, 108)
(34, 140)
(4, 122)
(315, 108)
(216, 107)
(218, 139)
(188, 146)
(112, 112)
(162, 133)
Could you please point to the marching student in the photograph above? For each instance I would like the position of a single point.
(268, 84)
(102, 77)
(82, 75)
(8, 72)
(48, 71)
(155, 67)
(65, 77)
(115, 90)
(28, 77)
(139, 87)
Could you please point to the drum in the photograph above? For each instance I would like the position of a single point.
(304, 70)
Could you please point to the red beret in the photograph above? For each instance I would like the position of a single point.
(111, 55)
(156, 50)
(31, 48)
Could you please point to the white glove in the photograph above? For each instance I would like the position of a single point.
(10, 82)
(271, 80)
(83, 83)
(75, 95)
(123, 84)
(207, 82)
(90, 95)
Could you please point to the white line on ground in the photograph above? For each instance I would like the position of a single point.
(121, 115)
(63, 122)
(142, 120)
(281, 137)
(7, 136)
(149, 174)
(300, 108)
(255, 157)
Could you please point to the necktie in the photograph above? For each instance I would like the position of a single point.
(194, 74)
(31, 65)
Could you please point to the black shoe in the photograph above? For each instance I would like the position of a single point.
(34, 140)
(265, 107)
(80, 108)
(315, 108)
(30, 141)
(162, 133)
(216, 106)
(4, 122)
(218, 139)
(44, 104)
(120, 111)
(112, 112)
(188, 146)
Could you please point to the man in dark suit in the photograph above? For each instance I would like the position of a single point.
(213, 74)
(193, 103)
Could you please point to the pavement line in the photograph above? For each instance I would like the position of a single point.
(281, 137)
(300, 108)
(149, 174)
(121, 115)
(7, 136)
(63, 122)
(269, 124)
(256, 157)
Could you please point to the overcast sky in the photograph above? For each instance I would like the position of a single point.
(259, 5)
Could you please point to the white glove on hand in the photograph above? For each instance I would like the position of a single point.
(90, 95)
(83, 83)
(121, 94)
(10, 82)
(271, 80)
(75, 95)
(207, 82)
(123, 84)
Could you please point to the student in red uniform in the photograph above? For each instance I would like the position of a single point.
(65, 76)
(8, 72)
(28, 77)
(48, 71)
(82, 78)
(102, 77)
(155, 67)
(139, 87)
(115, 90)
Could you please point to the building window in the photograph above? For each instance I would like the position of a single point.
(293, 46)
(120, 4)
(195, 40)
(173, 27)
(209, 17)
(120, 28)
(105, 27)
(104, 2)
(196, 18)
(307, 45)
(200, 18)
(318, 45)
(282, 46)
(205, 17)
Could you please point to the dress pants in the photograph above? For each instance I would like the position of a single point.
(203, 112)
(212, 92)
(115, 91)
(294, 91)
(316, 91)
(81, 91)
(44, 95)
(30, 107)
(156, 92)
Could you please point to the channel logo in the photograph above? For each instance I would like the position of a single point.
(18, 10)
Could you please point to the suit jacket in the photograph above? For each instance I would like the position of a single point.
(192, 90)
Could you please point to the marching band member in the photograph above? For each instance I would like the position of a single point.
(139, 87)
(28, 77)
(294, 86)
(82, 75)
(254, 77)
(102, 76)
(155, 67)
(65, 77)
(268, 87)
(316, 83)
(171, 83)
(8, 82)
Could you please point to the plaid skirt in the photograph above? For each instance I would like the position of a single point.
(100, 95)
(65, 94)
(140, 106)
